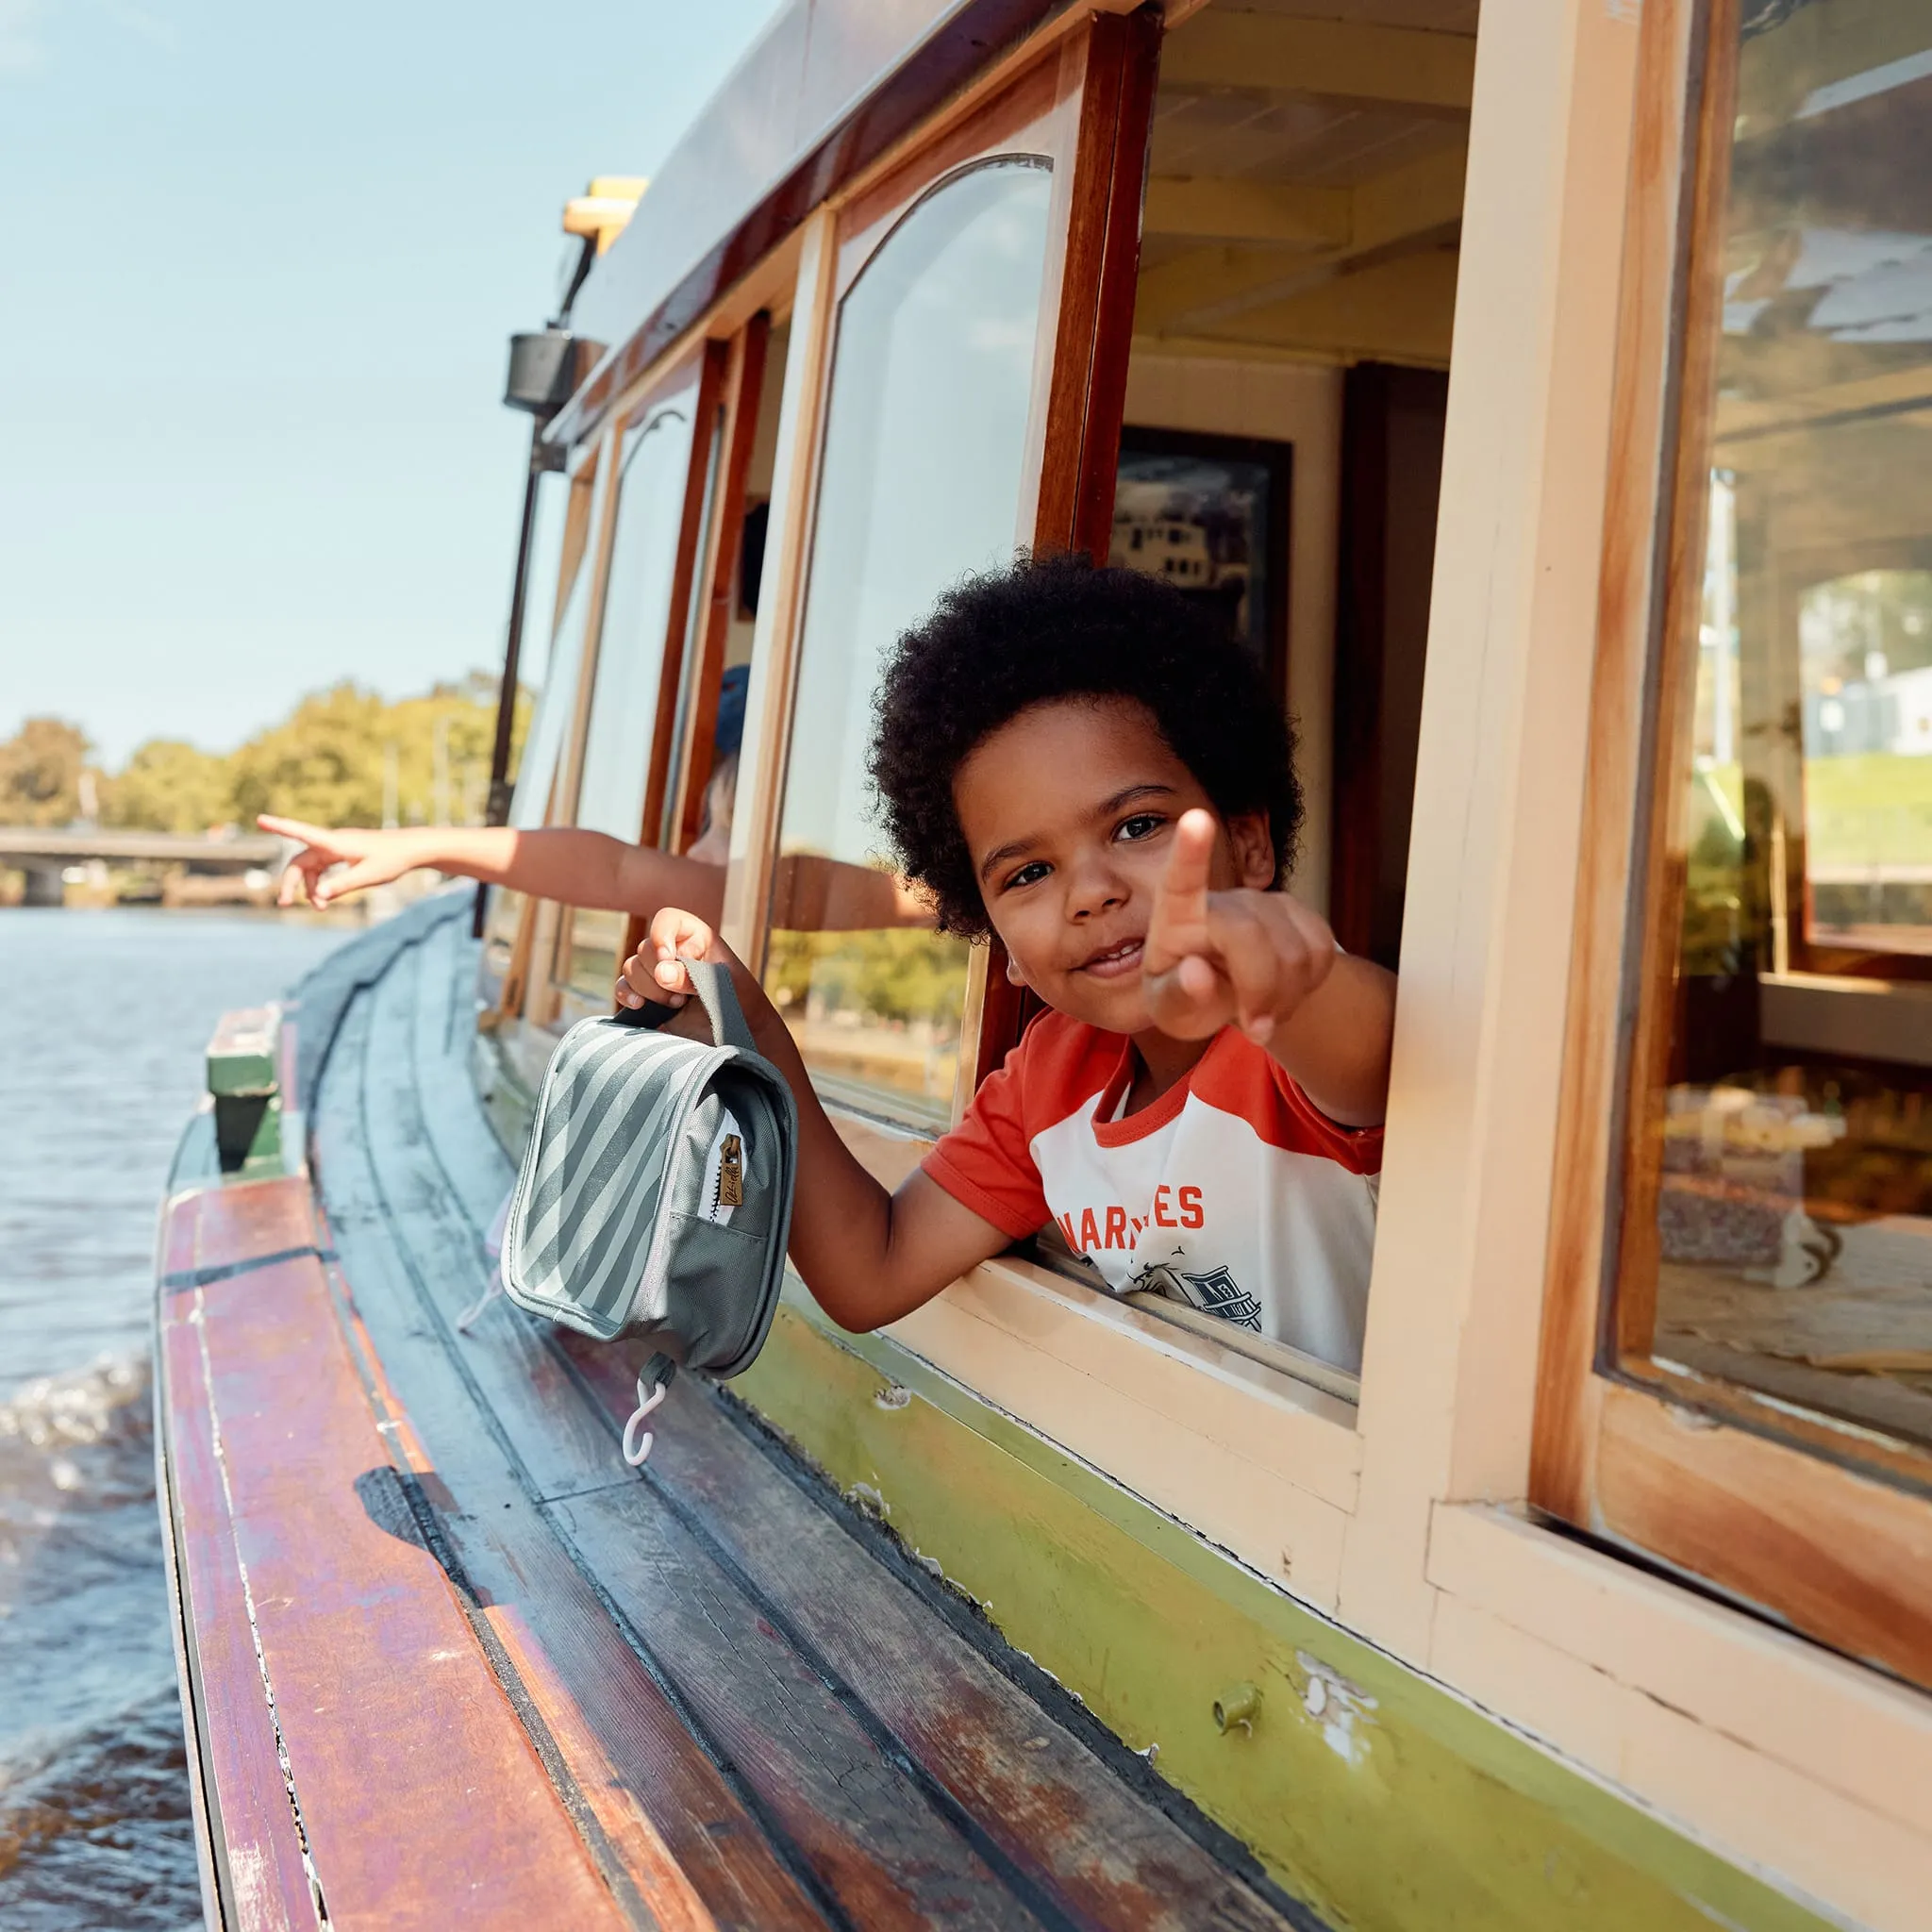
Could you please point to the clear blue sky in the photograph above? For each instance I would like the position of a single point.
(258, 266)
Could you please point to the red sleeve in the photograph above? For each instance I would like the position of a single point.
(1358, 1149)
(1248, 1081)
(986, 1163)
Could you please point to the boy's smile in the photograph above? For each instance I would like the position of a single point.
(1069, 812)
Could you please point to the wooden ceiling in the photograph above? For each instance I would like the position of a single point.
(1304, 190)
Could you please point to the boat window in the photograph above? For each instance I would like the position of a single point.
(1786, 1241)
(654, 466)
(921, 479)
(1286, 388)
(1771, 1245)
(700, 799)
(556, 702)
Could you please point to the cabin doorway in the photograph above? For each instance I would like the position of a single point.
(1290, 362)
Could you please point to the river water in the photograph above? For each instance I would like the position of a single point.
(102, 1019)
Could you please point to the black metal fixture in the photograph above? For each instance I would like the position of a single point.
(545, 366)
(543, 369)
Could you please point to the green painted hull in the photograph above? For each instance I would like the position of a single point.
(1373, 1792)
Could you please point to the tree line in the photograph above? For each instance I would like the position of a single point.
(342, 757)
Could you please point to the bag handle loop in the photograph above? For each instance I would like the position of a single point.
(716, 994)
(719, 998)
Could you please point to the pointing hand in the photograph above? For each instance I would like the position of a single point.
(1215, 957)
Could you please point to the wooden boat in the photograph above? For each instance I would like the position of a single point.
(1578, 357)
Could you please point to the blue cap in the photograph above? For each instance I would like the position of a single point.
(731, 731)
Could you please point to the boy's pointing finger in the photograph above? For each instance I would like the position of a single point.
(1179, 921)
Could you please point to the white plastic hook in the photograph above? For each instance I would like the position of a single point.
(480, 1306)
(646, 1403)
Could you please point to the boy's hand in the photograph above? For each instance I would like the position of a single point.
(1213, 958)
(372, 857)
(656, 970)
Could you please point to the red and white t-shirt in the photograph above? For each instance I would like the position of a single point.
(1231, 1192)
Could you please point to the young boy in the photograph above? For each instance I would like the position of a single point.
(1082, 762)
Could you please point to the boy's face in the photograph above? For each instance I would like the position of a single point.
(1069, 812)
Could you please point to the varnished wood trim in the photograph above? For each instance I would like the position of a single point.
(1838, 1555)
(1361, 641)
(690, 374)
(1022, 119)
(1568, 1393)
(743, 360)
(744, 385)
(1748, 1495)
(1855, 1445)
(563, 799)
(774, 649)
(1659, 875)
(697, 480)
(1093, 336)
(577, 532)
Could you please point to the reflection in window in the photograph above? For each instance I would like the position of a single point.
(1865, 663)
(557, 701)
(506, 908)
(630, 656)
(1790, 1137)
(919, 482)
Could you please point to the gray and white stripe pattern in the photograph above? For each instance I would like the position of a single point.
(609, 1231)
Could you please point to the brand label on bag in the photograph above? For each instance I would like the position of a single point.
(725, 1171)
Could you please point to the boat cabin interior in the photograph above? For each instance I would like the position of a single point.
(1535, 387)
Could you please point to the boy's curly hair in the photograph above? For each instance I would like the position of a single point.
(1059, 627)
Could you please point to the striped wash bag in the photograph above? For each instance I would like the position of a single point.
(655, 1196)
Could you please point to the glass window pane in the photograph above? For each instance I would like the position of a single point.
(920, 481)
(1788, 1125)
(637, 606)
(630, 655)
(557, 701)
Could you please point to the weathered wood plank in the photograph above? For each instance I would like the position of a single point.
(647, 1782)
(843, 1794)
(326, 995)
(799, 1664)
(467, 1152)
(864, 1828)
(520, 1589)
(253, 1840)
(234, 1226)
(1103, 1855)
(562, 1446)
(369, 1656)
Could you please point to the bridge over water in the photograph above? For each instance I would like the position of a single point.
(44, 854)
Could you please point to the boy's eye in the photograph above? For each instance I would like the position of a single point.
(1143, 824)
(1029, 873)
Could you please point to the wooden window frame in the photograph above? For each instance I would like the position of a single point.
(1817, 1522)
(1084, 102)
(707, 628)
(701, 372)
(538, 920)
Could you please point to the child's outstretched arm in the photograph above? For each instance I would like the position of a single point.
(868, 1257)
(559, 862)
(1268, 965)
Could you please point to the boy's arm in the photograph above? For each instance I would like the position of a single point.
(558, 862)
(868, 1257)
(1268, 965)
